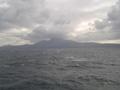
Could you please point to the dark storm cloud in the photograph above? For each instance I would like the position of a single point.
(111, 23)
(52, 29)
(100, 25)
(114, 18)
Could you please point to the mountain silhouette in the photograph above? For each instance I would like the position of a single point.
(60, 43)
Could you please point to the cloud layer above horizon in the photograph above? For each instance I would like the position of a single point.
(30, 21)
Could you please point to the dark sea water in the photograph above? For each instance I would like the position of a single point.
(60, 69)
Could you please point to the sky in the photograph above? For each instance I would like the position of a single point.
(31, 21)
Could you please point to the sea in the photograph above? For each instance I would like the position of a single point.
(95, 68)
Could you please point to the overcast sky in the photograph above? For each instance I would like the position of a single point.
(30, 21)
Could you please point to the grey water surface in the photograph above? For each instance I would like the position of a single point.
(60, 69)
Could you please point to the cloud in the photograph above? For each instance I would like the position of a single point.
(64, 18)
(36, 20)
(111, 23)
(22, 13)
(7, 39)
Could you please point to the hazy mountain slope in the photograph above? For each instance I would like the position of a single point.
(59, 43)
